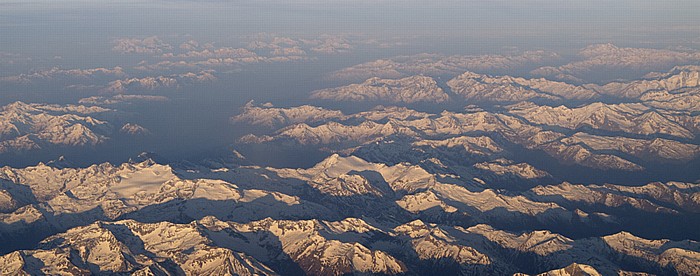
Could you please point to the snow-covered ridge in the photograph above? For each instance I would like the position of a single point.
(33, 126)
(29, 126)
(334, 175)
(629, 118)
(158, 82)
(507, 167)
(406, 90)
(306, 244)
(503, 89)
(134, 129)
(678, 78)
(653, 149)
(121, 98)
(432, 242)
(672, 197)
(270, 116)
(132, 247)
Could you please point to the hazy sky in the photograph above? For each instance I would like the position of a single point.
(62, 27)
